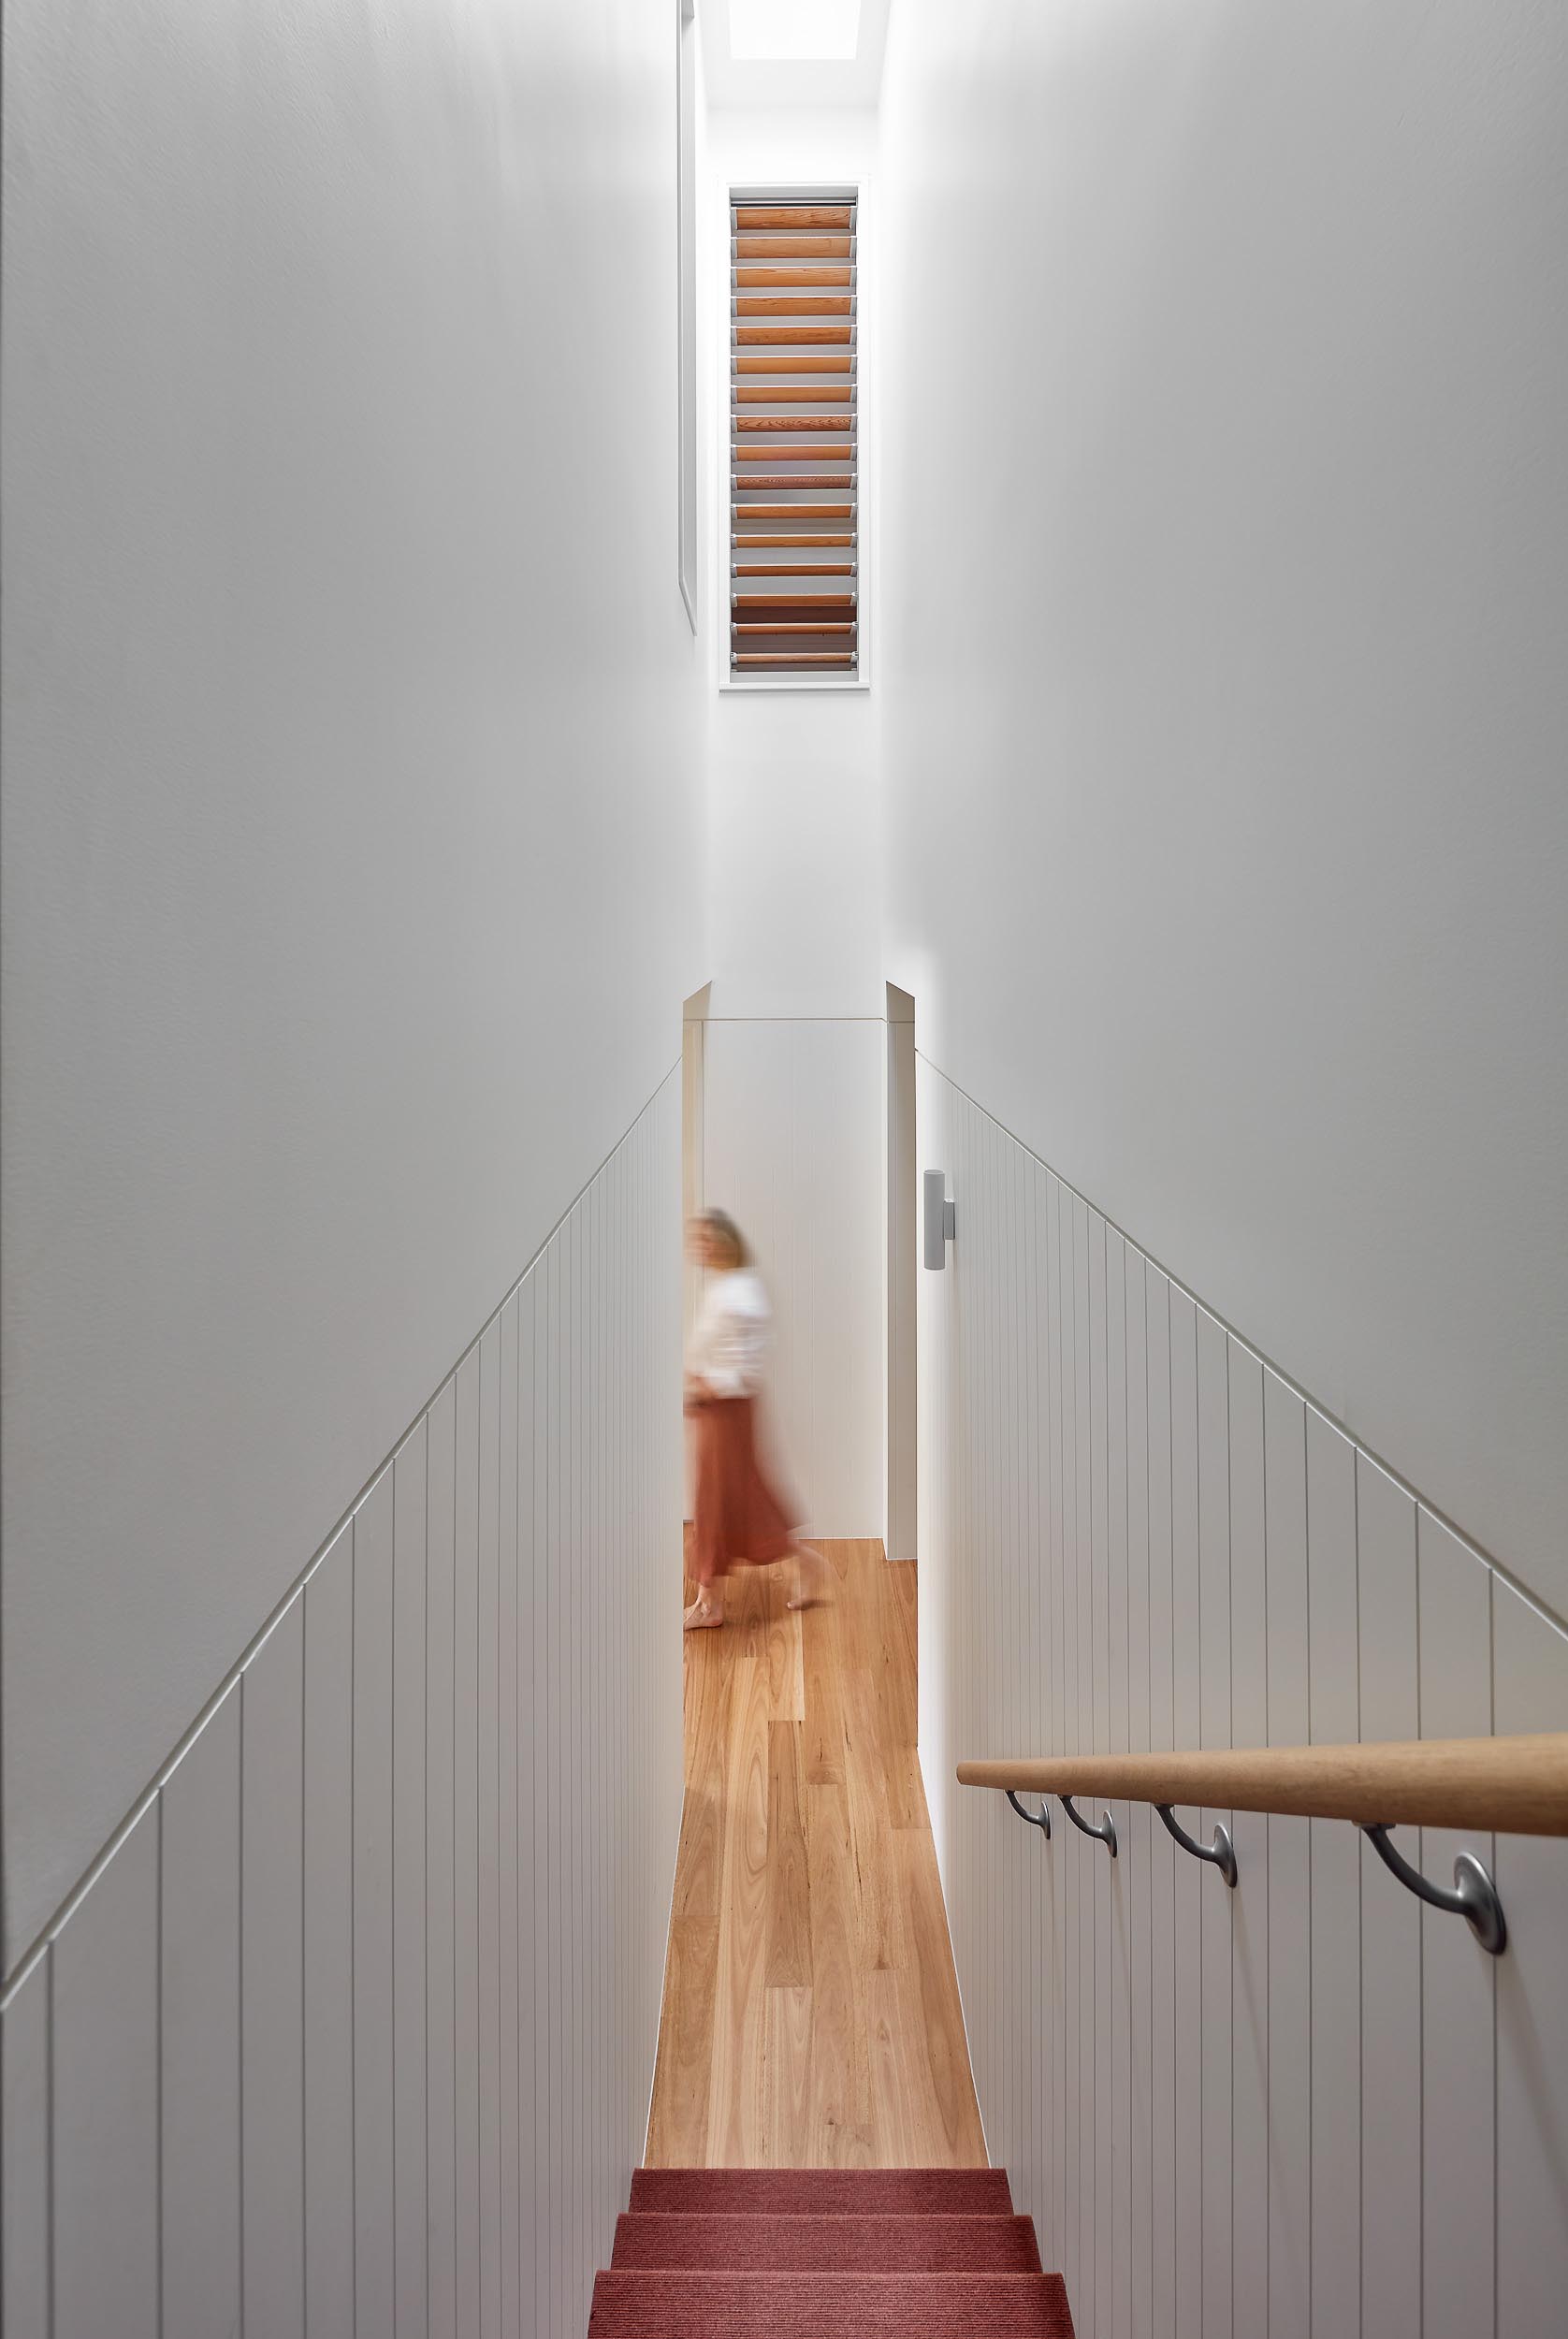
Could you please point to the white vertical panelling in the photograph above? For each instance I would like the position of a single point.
(1390, 1923)
(1120, 1965)
(1458, 1984)
(273, 2013)
(440, 1999)
(489, 1828)
(1289, 1912)
(1530, 1692)
(410, 2108)
(506, 1751)
(328, 1927)
(1162, 1937)
(1335, 1941)
(533, 1576)
(24, 2277)
(1249, 1914)
(199, 1984)
(1138, 1919)
(465, 1840)
(794, 1137)
(104, 2087)
(374, 2208)
(1309, 2058)
(356, 2023)
(1186, 1625)
(1216, 1907)
(1099, 1564)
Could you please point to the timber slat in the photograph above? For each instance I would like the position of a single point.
(795, 543)
(751, 215)
(746, 513)
(772, 483)
(793, 657)
(832, 363)
(792, 335)
(780, 280)
(791, 424)
(752, 604)
(787, 247)
(792, 394)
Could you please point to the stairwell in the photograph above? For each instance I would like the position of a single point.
(826, 2254)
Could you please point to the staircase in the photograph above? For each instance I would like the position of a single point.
(826, 2254)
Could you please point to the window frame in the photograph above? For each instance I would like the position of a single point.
(849, 186)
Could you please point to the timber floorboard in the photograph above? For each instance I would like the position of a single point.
(811, 2016)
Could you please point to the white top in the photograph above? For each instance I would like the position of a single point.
(729, 1341)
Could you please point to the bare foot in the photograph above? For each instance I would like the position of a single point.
(704, 1613)
(813, 1576)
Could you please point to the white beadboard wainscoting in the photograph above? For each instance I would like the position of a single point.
(1309, 2108)
(793, 1147)
(353, 2032)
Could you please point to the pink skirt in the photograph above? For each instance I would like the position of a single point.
(741, 1519)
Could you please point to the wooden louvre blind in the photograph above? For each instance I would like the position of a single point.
(794, 437)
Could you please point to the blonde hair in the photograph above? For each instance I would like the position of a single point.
(723, 1230)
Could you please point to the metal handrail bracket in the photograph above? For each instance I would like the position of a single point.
(1220, 1851)
(1040, 1819)
(1105, 1833)
(1473, 1896)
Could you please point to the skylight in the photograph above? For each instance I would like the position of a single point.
(798, 29)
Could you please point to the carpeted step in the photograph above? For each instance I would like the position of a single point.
(824, 2192)
(941, 2244)
(669, 2305)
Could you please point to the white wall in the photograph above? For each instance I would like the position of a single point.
(356, 2028)
(794, 1146)
(1226, 714)
(353, 791)
(1309, 2106)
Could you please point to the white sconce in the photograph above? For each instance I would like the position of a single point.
(941, 1219)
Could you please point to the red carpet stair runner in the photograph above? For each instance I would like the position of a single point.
(826, 2254)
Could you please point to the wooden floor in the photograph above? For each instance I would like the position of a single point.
(811, 2014)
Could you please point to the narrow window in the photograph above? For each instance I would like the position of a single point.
(794, 502)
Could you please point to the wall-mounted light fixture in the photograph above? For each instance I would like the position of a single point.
(941, 1219)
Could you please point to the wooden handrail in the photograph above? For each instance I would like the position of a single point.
(1510, 1785)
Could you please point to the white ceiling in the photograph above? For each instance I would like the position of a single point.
(777, 81)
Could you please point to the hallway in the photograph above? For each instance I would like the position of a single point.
(811, 2013)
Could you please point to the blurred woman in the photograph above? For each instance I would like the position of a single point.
(741, 1519)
